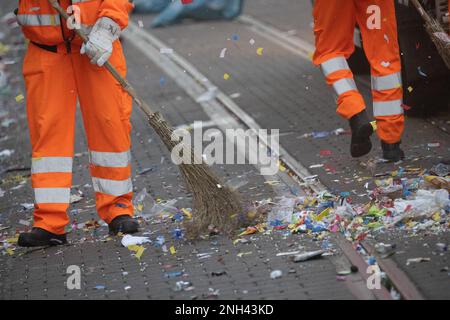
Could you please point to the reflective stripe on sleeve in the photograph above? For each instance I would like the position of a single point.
(38, 20)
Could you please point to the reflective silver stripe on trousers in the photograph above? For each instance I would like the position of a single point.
(38, 20)
(52, 195)
(333, 65)
(387, 108)
(110, 159)
(51, 164)
(112, 187)
(344, 85)
(392, 81)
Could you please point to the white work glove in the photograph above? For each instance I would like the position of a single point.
(100, 45)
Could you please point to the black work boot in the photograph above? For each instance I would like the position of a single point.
(38, 237)
(124, 224)
(392, 152)
(361, 132)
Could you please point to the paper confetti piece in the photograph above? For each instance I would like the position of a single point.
(260, 51)
(24, 222)
(385, 64)
(187, 213)
(172, 250)
(166, 50)
(20, 98)
(226, 76)
(410, 89)
(323, 214)
(241, 254)
(281, 167)
(423, 74)
(139, 250)
(252, 41)
(222, 53)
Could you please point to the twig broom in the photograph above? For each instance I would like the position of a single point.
(213, 202)
(436, 32)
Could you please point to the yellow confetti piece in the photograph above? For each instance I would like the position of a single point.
(410, 89)
(187, 213)
(139, 253)
(280, 166)
(140, 207)
(12, 240)
(323, 214)
(226, 76)
(20, 98)
(437, 216)
(10, 251)
(139, 250)
(374, 125)
(260, 51)
(172, 250)
(133, 247)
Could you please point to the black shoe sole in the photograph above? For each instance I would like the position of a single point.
(31, 243)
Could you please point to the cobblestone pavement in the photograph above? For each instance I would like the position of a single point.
(279, 90)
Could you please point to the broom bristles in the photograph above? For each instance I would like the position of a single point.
(214, 204)
(439, 38)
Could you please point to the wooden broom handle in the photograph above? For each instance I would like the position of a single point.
(425, 16)
(123, 82)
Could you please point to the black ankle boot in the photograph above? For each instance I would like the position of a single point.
(392, 152)
(361, 132)
(38, 237)
(124, 224)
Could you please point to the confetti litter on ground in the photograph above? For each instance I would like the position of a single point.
(226, 76)
(20, 98)
(166, 50)
(222, 53)
(260, 51)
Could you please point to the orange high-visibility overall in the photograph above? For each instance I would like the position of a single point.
(334, 24)
(55, 77)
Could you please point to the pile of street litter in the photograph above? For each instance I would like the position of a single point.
(413, 204)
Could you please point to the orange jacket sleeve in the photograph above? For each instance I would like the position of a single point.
(118, 10)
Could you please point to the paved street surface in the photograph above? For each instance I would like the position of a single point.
(279, 90)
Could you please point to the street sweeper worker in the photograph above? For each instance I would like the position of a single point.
(60, 70)
(334, 24)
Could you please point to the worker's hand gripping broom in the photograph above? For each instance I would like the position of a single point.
(213, 202)
(436, 32)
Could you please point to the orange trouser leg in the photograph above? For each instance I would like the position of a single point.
(334, 23)
(106, 109)
(51, 107)
(382, 51)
